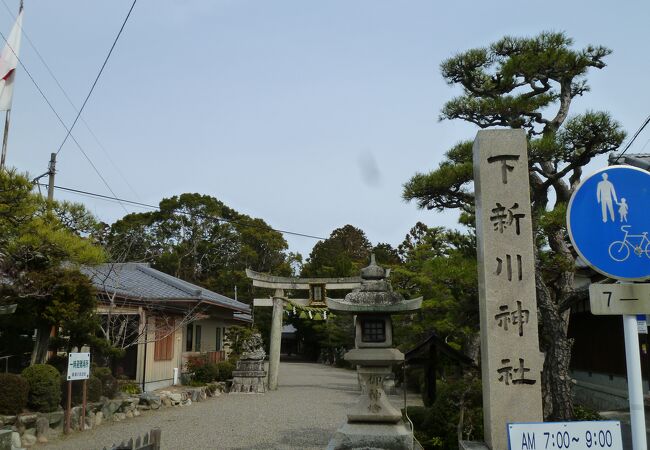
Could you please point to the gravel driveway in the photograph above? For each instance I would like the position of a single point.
(303, 413)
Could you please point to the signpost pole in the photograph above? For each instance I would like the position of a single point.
(68, 408)
(634, 382)
(82, 425)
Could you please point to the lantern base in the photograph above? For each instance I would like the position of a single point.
(372, 436)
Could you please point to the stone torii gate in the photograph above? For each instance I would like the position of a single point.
(317, 288)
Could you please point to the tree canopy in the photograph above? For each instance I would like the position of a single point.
(201, 240)
(41, 246)
(342, 254)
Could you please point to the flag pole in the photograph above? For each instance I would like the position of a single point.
(4, 140)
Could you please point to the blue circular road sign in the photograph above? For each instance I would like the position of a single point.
(609, 220)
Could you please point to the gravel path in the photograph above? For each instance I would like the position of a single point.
(303, 414)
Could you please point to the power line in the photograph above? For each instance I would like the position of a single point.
(145, 205)
(65, 94)
(58, 116)
(101, 70)
(647, 120)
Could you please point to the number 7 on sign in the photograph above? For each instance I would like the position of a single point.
(609, 297)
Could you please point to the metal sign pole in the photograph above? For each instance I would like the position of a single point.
(68, 408)
(634, 382)
(82, 425)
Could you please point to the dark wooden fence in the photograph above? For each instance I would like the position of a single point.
(150, 441)
(216, 356)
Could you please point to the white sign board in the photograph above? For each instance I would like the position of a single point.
(565, 435)
(619, 299)
(78, 366)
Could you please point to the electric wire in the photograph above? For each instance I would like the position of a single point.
(67, 97)
(58, 116)
(145, 205)
(99, 74)
(645, 123)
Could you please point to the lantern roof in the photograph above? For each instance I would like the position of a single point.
(375, 295)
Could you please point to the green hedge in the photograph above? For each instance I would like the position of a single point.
(44, 387)
(109, 382)
(14, 390)
(202, 371)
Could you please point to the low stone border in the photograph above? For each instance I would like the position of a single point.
(31, 428)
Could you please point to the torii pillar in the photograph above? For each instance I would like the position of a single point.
(317, 288)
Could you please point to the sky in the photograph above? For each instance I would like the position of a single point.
(308, 114)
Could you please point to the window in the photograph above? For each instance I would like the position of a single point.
(189, 338)
(164, 345)
(373, 330)
(219, 343)
(197, 332)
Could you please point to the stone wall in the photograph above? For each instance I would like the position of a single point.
(29, 429)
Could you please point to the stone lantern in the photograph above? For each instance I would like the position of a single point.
(373, 422)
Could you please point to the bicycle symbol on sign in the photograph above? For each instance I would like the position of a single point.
(620, 250)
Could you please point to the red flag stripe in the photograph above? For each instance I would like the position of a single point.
(6, 77)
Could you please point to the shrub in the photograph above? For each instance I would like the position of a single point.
(93, 390)
(436, 427)
(59, 362)
(224, 370)
(130, 387)
(585, 413)
(206, 373)
(415, 379)
(109, 382)
(14, 390)
(201, 370)
(417, 414)
(44, 387)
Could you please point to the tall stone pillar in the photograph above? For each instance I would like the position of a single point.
(511, 362)
(276, 339)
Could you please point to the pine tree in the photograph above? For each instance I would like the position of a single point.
(530, 83)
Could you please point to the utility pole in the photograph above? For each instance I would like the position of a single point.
(50, 185)
(39, 354)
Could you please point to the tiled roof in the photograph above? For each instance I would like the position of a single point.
(640, 160)
(142, 282)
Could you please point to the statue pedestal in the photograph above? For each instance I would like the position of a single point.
(249, 377)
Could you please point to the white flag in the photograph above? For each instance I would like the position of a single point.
(9, 62)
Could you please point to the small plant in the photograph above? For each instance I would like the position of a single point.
(44, 387)
(583, 413)
(130, 387)
(224, 370)
(14, 390)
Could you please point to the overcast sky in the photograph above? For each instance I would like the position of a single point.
(308, 114)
